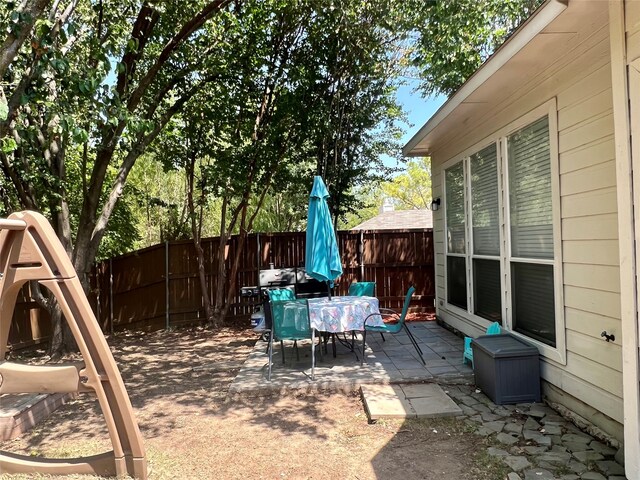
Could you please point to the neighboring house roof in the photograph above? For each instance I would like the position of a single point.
(398, 220)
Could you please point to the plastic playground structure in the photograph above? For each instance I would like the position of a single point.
(31, 251)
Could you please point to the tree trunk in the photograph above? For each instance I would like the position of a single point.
(196, 226)
(218, 309)
(62, 340)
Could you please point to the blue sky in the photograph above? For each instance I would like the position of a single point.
(418, 110)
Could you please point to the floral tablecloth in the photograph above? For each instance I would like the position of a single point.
(343, 314)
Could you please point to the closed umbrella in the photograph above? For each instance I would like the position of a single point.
(322, 259)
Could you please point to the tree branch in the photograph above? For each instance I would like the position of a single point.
(9, 48)
(187, 29)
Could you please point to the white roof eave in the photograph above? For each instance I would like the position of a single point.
(540, 19)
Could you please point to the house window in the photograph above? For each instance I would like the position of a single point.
(456, 237)
(500, 233)
(531, 229)
(485, 213)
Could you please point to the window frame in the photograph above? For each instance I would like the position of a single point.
(471, 252)
(499, 138)
(447, 254)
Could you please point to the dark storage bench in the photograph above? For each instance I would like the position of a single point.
(506, 369)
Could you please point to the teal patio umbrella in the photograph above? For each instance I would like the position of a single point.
(322, 259)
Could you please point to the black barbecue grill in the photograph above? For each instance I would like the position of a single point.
(293, 278)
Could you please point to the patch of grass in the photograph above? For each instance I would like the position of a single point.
(562, 470)
(488, 467)
(445, 424)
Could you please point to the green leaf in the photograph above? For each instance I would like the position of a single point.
(8, 145)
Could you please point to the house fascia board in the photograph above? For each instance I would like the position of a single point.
(540, 19)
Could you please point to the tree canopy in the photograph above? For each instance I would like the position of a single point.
(241, 101)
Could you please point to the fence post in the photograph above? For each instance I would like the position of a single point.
(258, 258)
(96, 278)
(111, 293)
(166, 285)
(361, 255)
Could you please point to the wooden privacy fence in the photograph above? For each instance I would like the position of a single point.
(158, 287)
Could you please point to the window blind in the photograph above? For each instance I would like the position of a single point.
(457, 281)
(533, 301)
(530, 191)
(487, 290)
(454, 204)
(484, 202)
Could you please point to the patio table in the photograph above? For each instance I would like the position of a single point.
(341, 314)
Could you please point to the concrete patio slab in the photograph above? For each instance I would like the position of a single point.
(386, 362)
(407, 401)
(386, 401)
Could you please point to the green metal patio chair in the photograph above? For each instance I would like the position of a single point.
(290, 321)
(393, 328)
(467, 355)
(362, 289)
(276, 294)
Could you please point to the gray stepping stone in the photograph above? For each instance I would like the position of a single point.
(495, 426)
(605, 450)
(616, 477)
(546, 466)
(555, 458)
(497, 452)
(476, 419)
(576, 466)
(609, 467)
(537, 437)
(570, 476)
(536, 413)
(513, 428)
(620, 456)
(467, 410)
(531, 424)
(575, 447)
(553, 418)
(506, 439)
(588, 456)
(482, 398)
(593, 476)
(555, 439)
(490, 417)
(513, 476)
(467, 400)
(576, 438)
(531, 450)
(551, 430)
(502, 411)
(484, 431)
(482, 408)
(517, 463)
(538, 474)
(559, 449)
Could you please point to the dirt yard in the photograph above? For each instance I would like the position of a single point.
(178, 384)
